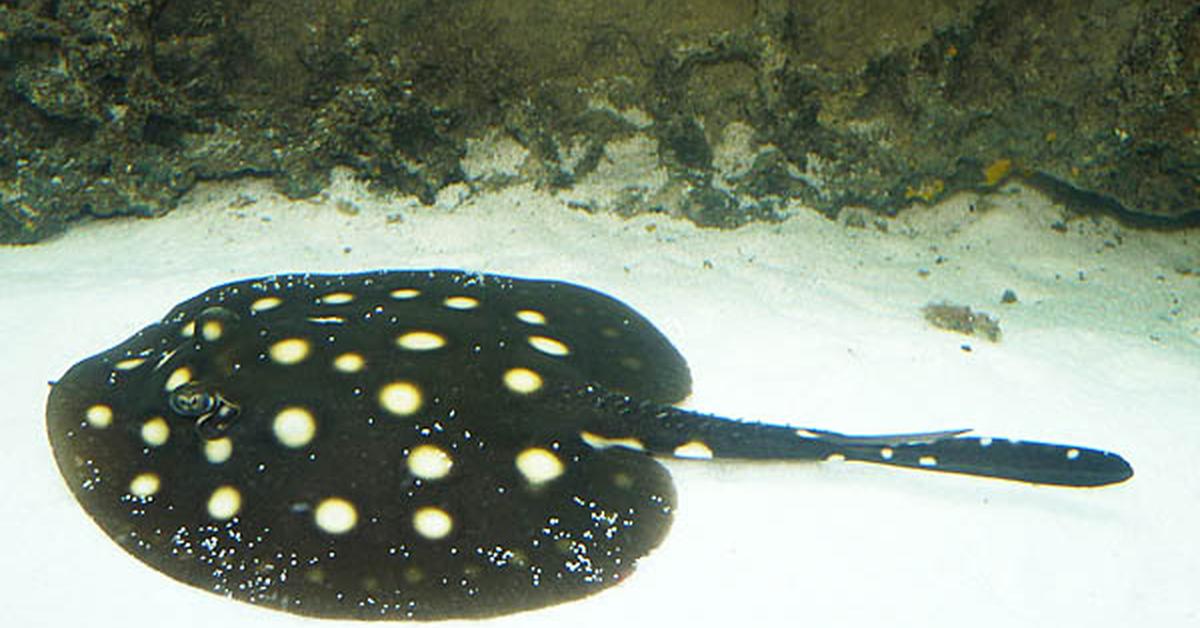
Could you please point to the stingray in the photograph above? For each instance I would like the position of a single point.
(424, 444)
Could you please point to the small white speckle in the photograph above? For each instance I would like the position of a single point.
(1072, 454)
(400, 398)
(986, 441)
(429, 462)
(99, 416)
(531, 317)
(538, 465)
(432, 523)
(522, 380)
(835, 458)
(421, 341)
(145, 484)
(294, 427)
(178, 377)
(266, 303)
(335, 515)
(927, 461)
(337, 298)
(886, 453)
(695, 450)
(224, 503)
(349, 363)
(155, 431)
(461, 303)
(289, 351)
(218, 450)
(549, 346)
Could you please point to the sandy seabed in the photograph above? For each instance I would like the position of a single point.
(808, 322)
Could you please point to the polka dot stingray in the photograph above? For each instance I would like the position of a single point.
(423, 444)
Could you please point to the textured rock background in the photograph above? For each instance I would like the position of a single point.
(120, 107)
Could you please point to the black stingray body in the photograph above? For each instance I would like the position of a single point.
(422, 444)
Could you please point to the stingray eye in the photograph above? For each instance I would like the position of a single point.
(214, 424)
(192, 400)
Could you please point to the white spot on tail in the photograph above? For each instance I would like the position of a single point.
(335, 515)
(432, 523)
(224, 503)
(1072, 454)
(290, 351)
(421, 341)
(294, 427)
(429, 462)
(695, 450)
(927, 461)
(549, 346)
(887, 453)
(400, 398)
(99, 416)
(155, 431)
(596, 441)
(522, 380)
(538, 465)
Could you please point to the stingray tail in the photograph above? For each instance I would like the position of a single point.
(951, 452)
(611, 419)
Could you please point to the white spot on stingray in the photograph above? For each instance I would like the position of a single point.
(531, 317)
(289, 351)
(402, 294)
(694, 449)
(218, 450)
(549, 346)
(188, 330)
(432, 523)
(596, 441)
(326, 320)
(429, 462)
(538, 465)
(522, 380)
(224, 503)
(927, 461)
(1072, 454)
(349, 363)
(461, 303)
(335, 515)
(212, 330)
(337, 298)
(886, 453)
(99, 416)
(294, 426)
(421, 341)
(129, 364)
(835, 458)
(986, 441)
(178, 377)
(145, 484)
(155, 431)
(401, 398)
(266, 303)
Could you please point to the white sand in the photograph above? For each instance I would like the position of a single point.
(806, 322)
